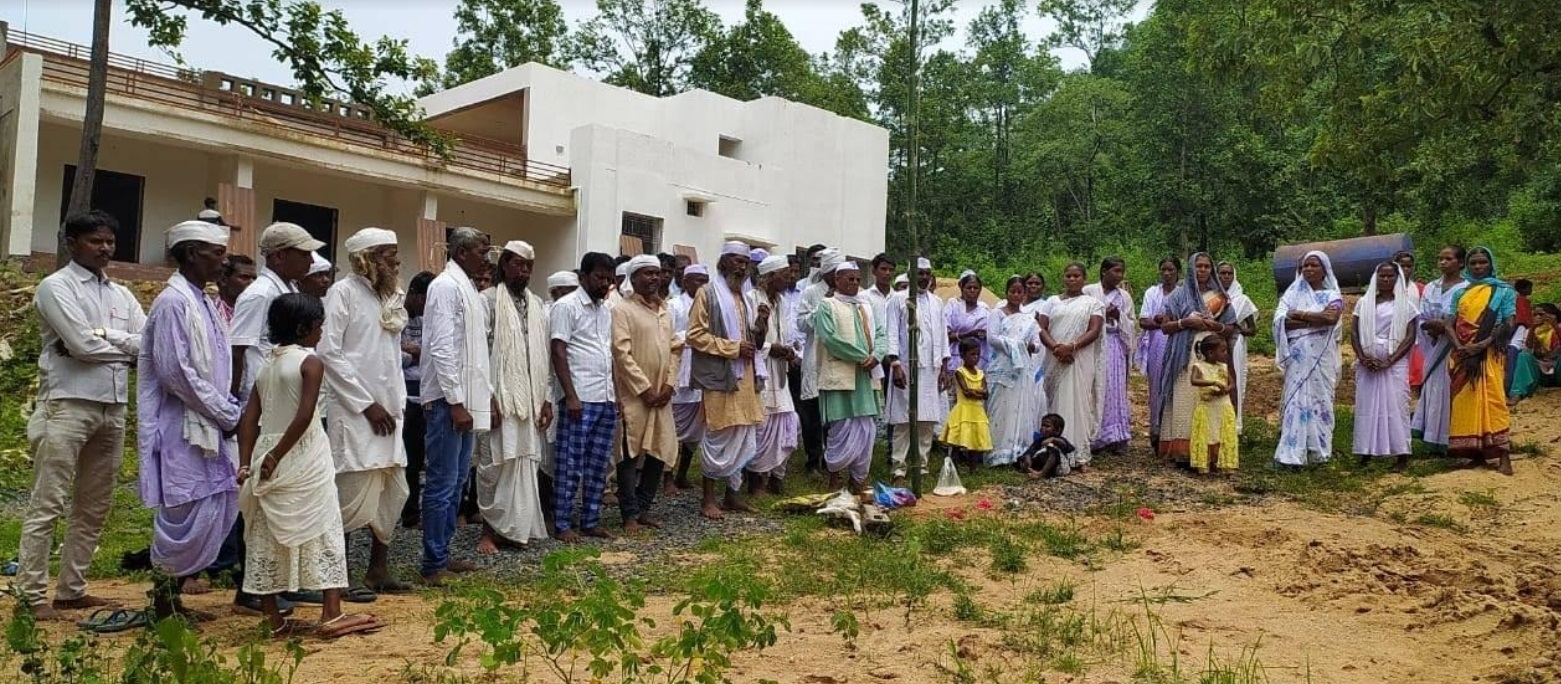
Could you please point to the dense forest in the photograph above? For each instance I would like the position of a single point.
(1231, 125)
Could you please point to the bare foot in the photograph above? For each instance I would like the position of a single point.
(486, 546)
(568, 537)
(737, 503)
(1506, 466)
(650, 522)
(631, 526)
(711, 511)
(597, 533)
(193, 586)
(669, 490)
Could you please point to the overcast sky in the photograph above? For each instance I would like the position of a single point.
(428, 25)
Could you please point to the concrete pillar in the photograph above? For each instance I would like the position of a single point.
(20, 82)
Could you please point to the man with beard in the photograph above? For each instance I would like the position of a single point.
(186, 412)
(507, 489)
(360, 344)
(932, 357)
(92, 331)
(775, 325)
(456, 395)
(688, 403)
(821, 283)
(580, 331)
(723, 366)
(851, 339)
(643, 373)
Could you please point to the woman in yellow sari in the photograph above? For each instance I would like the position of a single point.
(1482, 323)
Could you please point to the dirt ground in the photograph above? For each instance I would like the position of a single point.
(1321, 597)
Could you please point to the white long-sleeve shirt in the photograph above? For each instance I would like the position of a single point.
(362, 368)
(74, 304)
(248, 327)
(444, 357)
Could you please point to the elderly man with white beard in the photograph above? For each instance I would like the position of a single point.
(507, 489)
(360, 345)
(724, 368)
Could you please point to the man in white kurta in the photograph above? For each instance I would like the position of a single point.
(365, 408)
(932, 356)
(770, 310)
(507, 489)
(820, 285)
(688, 403)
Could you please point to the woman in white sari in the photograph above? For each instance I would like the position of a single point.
(1306, 349)
(1246, 326)
(1070, 330)
(1014, 336)
(1035, 304)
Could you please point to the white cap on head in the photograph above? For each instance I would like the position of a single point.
(280, 236)
(847, 266)
(563, 279)
(320, 265)
(622, 271)
(923, 263)
(520, 248)
(641, 262)
(773, 263)
(901, 280)
(757, 254)
(696, 269)
(198, 231)
(737, 247)
(369, 238)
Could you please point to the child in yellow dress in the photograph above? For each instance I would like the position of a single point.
(968, 429)
(1214, 418)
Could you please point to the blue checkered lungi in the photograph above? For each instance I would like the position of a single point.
(585, 451)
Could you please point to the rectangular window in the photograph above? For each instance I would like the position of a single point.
(319, 221)
(121, 195)
(696, 208)
(647, 229)
(730, 147)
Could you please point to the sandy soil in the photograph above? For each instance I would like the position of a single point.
(1322, 597)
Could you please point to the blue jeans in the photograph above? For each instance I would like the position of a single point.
(448, 459)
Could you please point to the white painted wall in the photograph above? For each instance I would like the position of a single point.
(802, 175)
(19, 81)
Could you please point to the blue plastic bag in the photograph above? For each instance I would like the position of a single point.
(892, 497)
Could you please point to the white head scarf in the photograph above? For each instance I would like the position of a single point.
(1301, 297)
(1404, 310)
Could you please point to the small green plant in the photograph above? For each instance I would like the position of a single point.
(1481, 503)
(966, 609)
(1118, 541)
(1438, 520)
(844, 623)
(1060, 592)
(1008, 556)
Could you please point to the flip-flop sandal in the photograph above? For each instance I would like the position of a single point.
(391, 587)
(292, 628)
(359, 595)
(117, 620)
(359, 623)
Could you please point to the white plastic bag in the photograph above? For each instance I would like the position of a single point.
(948, 480)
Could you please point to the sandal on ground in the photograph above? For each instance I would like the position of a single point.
(345, 624)
(359, 595)
(390, 586)
(113, 621)
(291, 628)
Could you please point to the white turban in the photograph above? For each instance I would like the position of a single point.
(642, 262)
(696, 269)
(563, 279)
(320, 265)
(831, 261)
(756, 255)
(771, 264)
(923, 263)
(198, 231)
(520, 248)
(734, 247)
(369, 238)
(622, 271)
(847, 266)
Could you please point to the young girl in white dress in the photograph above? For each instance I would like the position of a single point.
(293, 529)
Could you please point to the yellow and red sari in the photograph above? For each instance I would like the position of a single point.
(1480, 422)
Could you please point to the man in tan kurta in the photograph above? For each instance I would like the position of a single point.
(643, 373)
(723, 367)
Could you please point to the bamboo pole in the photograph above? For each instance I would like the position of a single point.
(913, 293)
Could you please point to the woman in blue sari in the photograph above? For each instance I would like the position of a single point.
(1199, 307)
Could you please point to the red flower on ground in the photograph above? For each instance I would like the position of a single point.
(1146, 515)
(984, 504)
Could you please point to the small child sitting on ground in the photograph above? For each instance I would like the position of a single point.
(1045, 454)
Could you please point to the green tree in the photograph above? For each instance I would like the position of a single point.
(754, 58)
(494, 35)
(644, 45)
(1089, 26)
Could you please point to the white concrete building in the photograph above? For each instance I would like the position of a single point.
(564, 162)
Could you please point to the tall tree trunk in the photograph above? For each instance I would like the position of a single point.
(91, 123)
(1369, 217)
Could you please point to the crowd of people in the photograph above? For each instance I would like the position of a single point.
(281, 408)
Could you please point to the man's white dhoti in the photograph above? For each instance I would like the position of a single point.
(507, 491)
(724, 453)
(372, 499)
